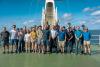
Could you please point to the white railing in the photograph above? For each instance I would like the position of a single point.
(97, 38)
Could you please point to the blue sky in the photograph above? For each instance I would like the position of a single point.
(22, 12)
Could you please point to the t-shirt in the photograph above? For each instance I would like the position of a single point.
(70, 35)
(14, 34)
(61, 35)
(33, 35)
(40, 34)
(54, 33)
(78, 33)
(86, 36)
(27, 37)
(21, 35)
(46, 34)
(5, 35)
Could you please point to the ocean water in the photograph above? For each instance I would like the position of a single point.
(95, 32)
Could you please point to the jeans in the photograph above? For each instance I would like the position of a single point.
(78, 47)
(53, 45)
(69, 46)
(21, 45)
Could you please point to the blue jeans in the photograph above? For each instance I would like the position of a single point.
(78, 47)
(21, 45)
(69, 47)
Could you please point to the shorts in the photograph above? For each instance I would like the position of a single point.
(6, 42)
(14, 41)
(40, 41)
(27, 41)
(46, 42)
(33, 40)
(61, 43)
(86, 43)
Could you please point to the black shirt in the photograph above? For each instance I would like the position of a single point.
(69, 35)
(5, 35)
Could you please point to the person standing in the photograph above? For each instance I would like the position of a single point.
(21, 40)
(5, 38)
(53, 40)
(14, 39)
(86, 38)
(70, 36)
(25, 31)
(62, 39)
(33, 36)
(40, 39)
(46, 39)
(78, 37)
(27, 40)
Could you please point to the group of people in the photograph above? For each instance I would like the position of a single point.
(46, 39)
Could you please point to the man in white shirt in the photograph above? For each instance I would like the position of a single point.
(53, 40)
(14, 39)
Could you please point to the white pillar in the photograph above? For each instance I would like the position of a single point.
(56, 15)
(43, 17)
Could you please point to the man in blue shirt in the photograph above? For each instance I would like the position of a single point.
(62, 39)
(78, 36)
(86, 38)
(46, 39)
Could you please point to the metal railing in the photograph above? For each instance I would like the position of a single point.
(95, 39)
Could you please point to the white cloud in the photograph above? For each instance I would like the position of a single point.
(28, 22)
(95, 13)
(31, 21)
(87, 9)
(66, 18)
(91, 9)
(67, 15)
(94, 21)
(81, 22)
